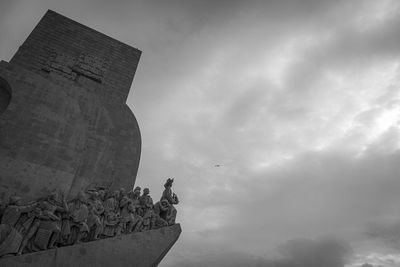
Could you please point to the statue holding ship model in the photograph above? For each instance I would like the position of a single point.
(172, 199)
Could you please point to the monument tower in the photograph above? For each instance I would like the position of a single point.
(64, 122)
(65, 126)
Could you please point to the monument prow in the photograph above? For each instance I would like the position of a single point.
(144, 249)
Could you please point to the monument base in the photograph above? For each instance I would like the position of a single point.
(143, 249)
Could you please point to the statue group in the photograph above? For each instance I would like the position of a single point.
(93, 214)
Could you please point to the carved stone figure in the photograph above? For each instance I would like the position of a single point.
(161, 209)
(50, 224)
(146, 203)
(96, 210)
(128, 219)
(102, 195)
(10, 240)
(112, 222)
(134, 196)
(14, 210)
(32, 225)
(78, 213)
(172, 199)
(122, 194)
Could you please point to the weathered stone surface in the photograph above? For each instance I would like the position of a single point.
(68, 46)
(142, 249)
(63, 117)
(5, 95)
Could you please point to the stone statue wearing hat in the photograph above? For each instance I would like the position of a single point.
(172, 199)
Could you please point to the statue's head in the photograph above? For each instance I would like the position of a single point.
(102, 194)
(169, 182)
(146, 191)
(136, 191)
(94, 195)
(164, 204)
(116, 194)
(81, 196)
(122, 192)
(53, 195)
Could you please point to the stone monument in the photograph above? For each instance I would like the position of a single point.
(69, 145)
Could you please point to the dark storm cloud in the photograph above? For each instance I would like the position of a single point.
(224, 260)
(388, 232)
(310, 253)
(294, 253)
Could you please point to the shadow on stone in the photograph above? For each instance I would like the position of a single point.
(143, 249)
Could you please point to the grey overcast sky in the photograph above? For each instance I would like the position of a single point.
(297, 101)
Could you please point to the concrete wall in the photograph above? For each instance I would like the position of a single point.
(145, 249)
(67, 125)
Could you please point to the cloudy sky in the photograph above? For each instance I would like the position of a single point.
(298, 102)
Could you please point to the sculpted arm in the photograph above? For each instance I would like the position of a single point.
(100, 209)
(28, 208)
(168, 195)
(175, 199)
(64, 207)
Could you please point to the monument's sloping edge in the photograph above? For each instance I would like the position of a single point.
(54, 13)
(143, 249)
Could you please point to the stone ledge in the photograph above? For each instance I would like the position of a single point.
(143, 249)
